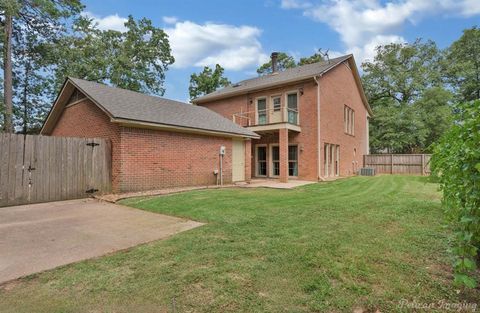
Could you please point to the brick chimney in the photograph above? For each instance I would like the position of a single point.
(274, 62)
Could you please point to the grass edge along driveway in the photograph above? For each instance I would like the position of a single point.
(362, 242)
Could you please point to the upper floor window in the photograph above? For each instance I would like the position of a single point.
(277, 103)
(292, 107)
(262, 111)
(349, 120)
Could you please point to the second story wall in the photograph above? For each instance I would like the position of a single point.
(339, 96)
(306, 139)
(243, 109)
(229, 106)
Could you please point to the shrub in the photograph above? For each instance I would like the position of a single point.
(456, 163)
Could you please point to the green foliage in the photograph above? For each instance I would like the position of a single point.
(462, 65)
(456, 163)
(401, 72)
(35, 24)
(316, 57)
(284, 61)
(404, 88)
(136, 59)
(207, 81)
(397, 129)
(433, 109)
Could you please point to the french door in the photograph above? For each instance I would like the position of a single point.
(331, 160)
(261, 160)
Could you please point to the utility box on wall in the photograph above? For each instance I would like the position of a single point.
(222, 150)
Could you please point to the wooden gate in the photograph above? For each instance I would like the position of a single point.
(418, 164)
(41, 169)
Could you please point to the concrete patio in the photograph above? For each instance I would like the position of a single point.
(38, 237)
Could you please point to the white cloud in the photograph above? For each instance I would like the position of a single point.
(364, 24)
(468, 7)
(170, 19)
(366, 52)
(233, 47)
(109, 22)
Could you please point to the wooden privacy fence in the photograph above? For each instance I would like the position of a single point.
(418, 164)
(40, 169)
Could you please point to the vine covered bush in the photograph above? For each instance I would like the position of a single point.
(456, 164)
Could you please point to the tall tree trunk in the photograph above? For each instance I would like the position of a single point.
(7, 75)
(25, 96)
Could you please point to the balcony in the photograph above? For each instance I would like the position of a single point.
(269, 119)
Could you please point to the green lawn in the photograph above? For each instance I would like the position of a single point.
(365, 242)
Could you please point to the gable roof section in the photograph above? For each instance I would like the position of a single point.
(134, 108)
(291, 75)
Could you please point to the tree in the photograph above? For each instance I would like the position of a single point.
(207, 81)
(462, 66)
(402, 72)
(42, 20)
(284, 61)
(30, 84)
(435, 111)
(456, 164)
(395, 129)
(399, 76)
(316, 57)
(136, 59)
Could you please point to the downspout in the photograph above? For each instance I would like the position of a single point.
(319, 150)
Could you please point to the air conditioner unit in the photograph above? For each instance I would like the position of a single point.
(367, 171)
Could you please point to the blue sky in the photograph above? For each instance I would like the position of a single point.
(240, 35)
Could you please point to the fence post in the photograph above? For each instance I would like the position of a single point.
(391, 163)
(423, 164)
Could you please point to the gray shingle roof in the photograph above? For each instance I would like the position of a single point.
(135, 106)
(289, 75)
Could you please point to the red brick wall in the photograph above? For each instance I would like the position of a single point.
(86, 120)
(154, 159)
(228, 107)
(306, 139)
(338, 88)
(148, 159)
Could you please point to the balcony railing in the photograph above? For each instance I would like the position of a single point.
(266, 117)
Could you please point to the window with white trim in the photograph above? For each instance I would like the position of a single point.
(292, 108)
(261, 160)
(275, 161)
(331, 160)
(292, 160)
(277, 103)
(348, 120)
(262, 111)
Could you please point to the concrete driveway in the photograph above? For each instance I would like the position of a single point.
(38, 237)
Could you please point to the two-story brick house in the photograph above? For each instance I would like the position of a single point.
(312, 119)
(309, 122)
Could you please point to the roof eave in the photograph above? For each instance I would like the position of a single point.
(49, 115)
(248, 90)
(358, 80)
(146, 124)
(208, 98)
(46, 124)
